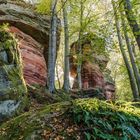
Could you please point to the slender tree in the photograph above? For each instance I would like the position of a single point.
(130, 51)
(79, 65)
(132, 20)
(66, 85)
(128, 67)
(52, 47)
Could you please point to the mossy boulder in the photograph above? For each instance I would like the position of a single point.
(78, 119)
(13, 90)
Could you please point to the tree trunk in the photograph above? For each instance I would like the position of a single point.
(57, 74)
(132, 21)
(130, 52)
(128, 67)
(66, 85)
(52, 48)
(80, 49)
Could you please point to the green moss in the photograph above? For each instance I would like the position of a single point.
(15, 74)
(26, 124)
(12, 84)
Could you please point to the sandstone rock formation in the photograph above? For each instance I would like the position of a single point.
(34, 65)
(93, 64)
(31, 32)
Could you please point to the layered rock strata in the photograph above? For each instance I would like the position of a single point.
(93, 65)
(34, 65)
(30, 31)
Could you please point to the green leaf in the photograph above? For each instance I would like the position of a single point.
(88, 136)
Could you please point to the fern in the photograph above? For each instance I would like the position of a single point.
(130, 130)
(107, 121)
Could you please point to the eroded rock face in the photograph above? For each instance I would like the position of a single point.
(34, 65)
(93, 65)
(92, 77)
(109, 91)
(32, 31)
(12, 86)
(19, 15)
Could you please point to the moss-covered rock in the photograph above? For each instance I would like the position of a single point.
(78, 119)
(12, 86)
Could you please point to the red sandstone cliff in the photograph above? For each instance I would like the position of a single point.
(34, 65)
(32, 32)
(93, 65)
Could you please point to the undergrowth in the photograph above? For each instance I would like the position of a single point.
(81, 119)
(102, 120)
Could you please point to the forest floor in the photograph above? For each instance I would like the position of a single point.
(63, 118)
